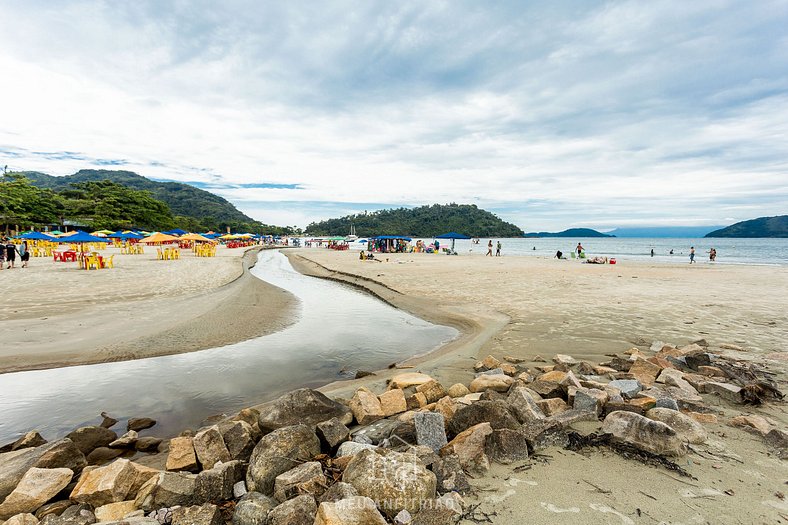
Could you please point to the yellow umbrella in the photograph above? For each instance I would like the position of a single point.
(68, 234)
(195, 237)
(228, 236)
(159, 237)
(102, 233)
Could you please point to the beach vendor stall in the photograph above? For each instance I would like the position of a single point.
(389, 244)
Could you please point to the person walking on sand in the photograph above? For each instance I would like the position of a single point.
(24, 254)
(692, 254)
(489, 248)
(498, 249)
(10, 254)
(579, 248)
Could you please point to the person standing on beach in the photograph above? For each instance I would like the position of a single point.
(489, 248)
(24, 254)
(692, 254)
(579, 248)
(10, 253)
(498, 249)
(2, 252)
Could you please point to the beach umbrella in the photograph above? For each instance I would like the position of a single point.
(80, 237)
(159, 237)
(453, 236)
(56, 232)
(176, 231)
(195, 237)
(101, 233)
(36, 236)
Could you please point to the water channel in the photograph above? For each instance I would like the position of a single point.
(338, 329)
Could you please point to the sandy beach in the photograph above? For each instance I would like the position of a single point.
(54, 314)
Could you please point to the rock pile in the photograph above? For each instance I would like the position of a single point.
(404, 455)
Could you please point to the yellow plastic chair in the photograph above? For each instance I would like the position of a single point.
(109, 262)
(159, 254)
(92, 262)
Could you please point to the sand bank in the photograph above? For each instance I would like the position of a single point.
(56, 315)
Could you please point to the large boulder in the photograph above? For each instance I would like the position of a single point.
(644, 433)
(166, 489)
(29, 440)
(470, 446)
(36, 488)
(239, 438)
(216, 484)
(497, 413)
(304, 406)
(332, 433)
(253, 509)
(306, 478)
(88, 438)
(277, 452)
(430, 430)
(366, 406)
(181, 455)
(507, 446)
(449, 474)
(358, 510)
(496, 382)
(687, 428)
(139, 423)
(205, 514)
(115, 511)
(408, 379)
(22, 519)
(107, 484)
(394, 481)
(393, 402)
(297, 511)
(210, 447)
(58, 454)
(523, 405)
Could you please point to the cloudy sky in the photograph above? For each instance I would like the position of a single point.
(551, 114)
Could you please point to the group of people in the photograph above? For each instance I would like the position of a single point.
(9, 251)
(490, 248)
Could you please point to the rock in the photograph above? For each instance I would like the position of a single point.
(711, 371)
(552, 406)
(251, 416)
(515, 360)
(141, 476)
(115, 511)
(148, 444)
(210, 448)
(666, 402)
(29, 440)
(166, 489)
(403, 381)
(216, 484)
(392, 402)
(35, 488)
(338, 491)
(205, 514)
(297, 511)
(139, 423)
(22, 519)
(696, 360)
(181, 456)
(563, 359)
(572, 416)
(644, 371)
(544, 433)
(162, 516)
(253, 509)
(394, 481)
(107, 420)
(628, 387)
(449, 474)
(358, 510)
(333, 432)
(416, 401)
(445, 510)
(403, 518)
(432, 390)
(496, 382)
(752, 423)
(430, 430)
(351, 448)
(306, 478)
(643, 433)
(239, 438)
(488, 363)
(673, 377)
(375, 433)
(88, 438)
(103, 485)
(103, 455)
(687, 428)
(239, 489)
(447, 407)
(703, 418)
(494, 371)
(590, 400)
(56, 508)
(366, 406)
(778, 440)
(81, 514)
(509, 370)
(643, 403)
(506, 446)
(496, 413)
(469, 446)
(58, 454)
(277, 452)
(549, 384)
(304, 406)
(523, 405)
(726, 391)
(458, 390)
(127, 440)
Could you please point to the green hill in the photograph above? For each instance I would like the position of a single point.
(183, 200)
(425, 221)
(760, 227)
(571, 232)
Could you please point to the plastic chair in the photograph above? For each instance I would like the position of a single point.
(92, 262)
(573, 255)
(109, 262)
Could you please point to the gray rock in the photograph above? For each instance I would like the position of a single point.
(545, 433)
(148, 444)
(74, 515)
(88, 438)
(140, 423)
(506, 446)
(216, 484)
(497, 413)
(430, 430)
(569, 417)
(493, 372)
(687, 428)
(127, 440)
(449, 475)
(403, 518)
(306, 478)
(351, 448)
(167, 489)
(332, 433)
(363, 439)
(102, 455)
(304, 406)
(297, 511)
(589, 400)
(277, 452)
(162, 516)
(375, 432)
(778, 440)
(726, 391)
(107, 421)
(338, 491)
(394, 481)
(643, 433)
(56, 507)
(239, 489)
(523, 405)
(253, 509)
(239, 438)
(357, 510)
(629, 387)
(210, 447)
(205, 514)
(666, 402)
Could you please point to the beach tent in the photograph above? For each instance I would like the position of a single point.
(36, 236)
(196, 237)
(453, 236)
(159, 237)
(176, 231)
(80, 236)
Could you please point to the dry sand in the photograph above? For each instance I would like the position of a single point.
(524, 306)
(54, 314)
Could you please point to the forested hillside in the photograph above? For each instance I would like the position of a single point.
(760, 227)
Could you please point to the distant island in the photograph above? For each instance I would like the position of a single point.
(571, 232)
(763, 227)
(663, 232)
(424, 221)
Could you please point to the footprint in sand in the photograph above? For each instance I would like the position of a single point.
(558, 510)
(625, 520)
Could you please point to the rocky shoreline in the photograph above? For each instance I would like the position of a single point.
(409, 454)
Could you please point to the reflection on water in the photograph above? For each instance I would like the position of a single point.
(338, 328)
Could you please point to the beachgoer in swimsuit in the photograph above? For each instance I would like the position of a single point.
(692, 254)
(579, 248)
(24, 254)
(489, 248)
(498, 249)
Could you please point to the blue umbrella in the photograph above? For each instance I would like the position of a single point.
(176, 231)
(81, 236)
(35, 236)
(453, 236)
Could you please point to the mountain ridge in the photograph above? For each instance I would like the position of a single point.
(571, 232)
(761, 227)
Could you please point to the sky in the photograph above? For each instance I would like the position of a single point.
(550, 114)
